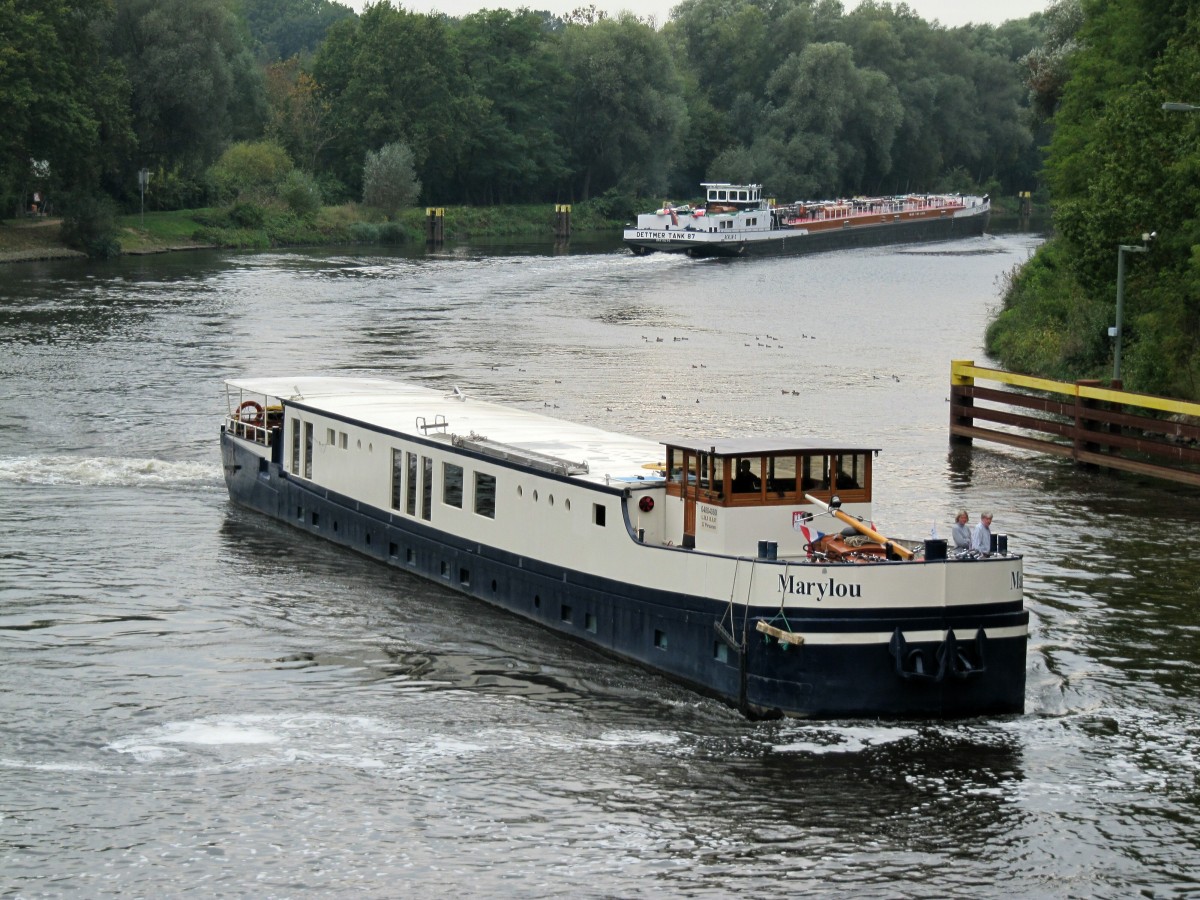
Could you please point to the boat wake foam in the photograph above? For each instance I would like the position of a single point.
(104, 471)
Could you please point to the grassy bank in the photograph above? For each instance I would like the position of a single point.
(250, 226)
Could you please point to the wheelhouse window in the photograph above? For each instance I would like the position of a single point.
(781, 475)
(851, 472)
(452, 485)
(485, 495)
(814, 473)
(768, 478)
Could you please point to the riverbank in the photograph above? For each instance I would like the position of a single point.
(247, 226)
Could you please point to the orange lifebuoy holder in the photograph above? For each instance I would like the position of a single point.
(646, 504)
(251, 413)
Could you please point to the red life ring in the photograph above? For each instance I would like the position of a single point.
(255, 411)
(646, 504)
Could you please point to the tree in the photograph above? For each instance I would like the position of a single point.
(392, 75)
(299, 117)
(62, 99)
(829, 124)
(282, 29)
(625, 112)
(195, 82)
(1120, 166)
(510, 149)
(389, 180)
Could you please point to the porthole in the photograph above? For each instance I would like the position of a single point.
(550, 499)
(535, 496)
(520, 491)
(567, 504)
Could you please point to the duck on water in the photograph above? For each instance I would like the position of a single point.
(746, 568)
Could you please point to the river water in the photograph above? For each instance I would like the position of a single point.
(194, 699)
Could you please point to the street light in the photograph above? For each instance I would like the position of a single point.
(1180, 107)
(1115, 332)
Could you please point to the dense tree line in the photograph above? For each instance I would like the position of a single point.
(504, 106)
(1119, 166)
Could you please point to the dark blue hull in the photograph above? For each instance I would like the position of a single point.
(706, 644)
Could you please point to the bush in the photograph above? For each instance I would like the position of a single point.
(364, 233)
(301, 194)
(389, 178)
(90, 225)
(251, 168)
(392, 233)
(247, 215)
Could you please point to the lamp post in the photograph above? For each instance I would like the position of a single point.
(143, 180)
(1116, 331)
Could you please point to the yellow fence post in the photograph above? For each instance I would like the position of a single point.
(961, 400)
(562, 221)
(1084, 424)
(435, 224)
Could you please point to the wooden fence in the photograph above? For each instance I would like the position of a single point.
(1091, 424)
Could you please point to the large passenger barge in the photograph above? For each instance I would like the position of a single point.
(746, 568)
(736, 219)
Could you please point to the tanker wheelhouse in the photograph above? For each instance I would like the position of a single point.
(748, 568)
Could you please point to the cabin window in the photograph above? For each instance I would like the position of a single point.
(567, 614)
(747, 478)
(295, 446)
(330, 437)
(344, 440)
(598, 512)
(452, 485)
(720, 651)
(426, 487)
(397, 478)
(851, 472)
(485, 495)
(721, 195)
(308, 449)
(660, 639)
(781, 475)
(674, 464)
(410, 497)
(814, 474)
(719, 468)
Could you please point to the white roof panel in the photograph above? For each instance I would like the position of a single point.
(396, 406)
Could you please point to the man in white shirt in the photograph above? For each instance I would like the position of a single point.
(981, 537)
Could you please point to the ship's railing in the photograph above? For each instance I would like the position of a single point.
(259, 434)
(800, 212)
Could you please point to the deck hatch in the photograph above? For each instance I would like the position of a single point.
(543, 462)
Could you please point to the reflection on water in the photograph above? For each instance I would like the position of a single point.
(194, 694)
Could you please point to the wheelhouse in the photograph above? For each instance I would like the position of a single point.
(755, 473)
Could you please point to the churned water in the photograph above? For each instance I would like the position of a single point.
(194, 699)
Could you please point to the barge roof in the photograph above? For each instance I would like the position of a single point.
(398, 407)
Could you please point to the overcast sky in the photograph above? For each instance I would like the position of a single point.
(947, 12)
